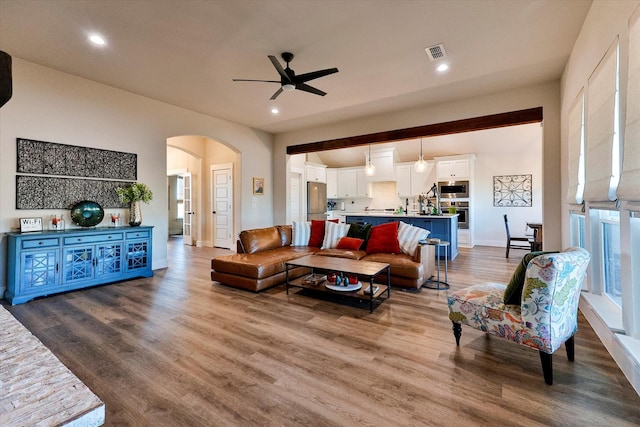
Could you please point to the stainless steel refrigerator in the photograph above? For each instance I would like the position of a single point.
(316, 201)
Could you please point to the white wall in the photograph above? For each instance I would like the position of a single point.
(495, 157)
(49, 105)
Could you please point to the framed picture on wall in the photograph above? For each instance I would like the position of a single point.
(258, 185)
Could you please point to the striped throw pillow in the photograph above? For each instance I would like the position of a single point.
(333, 233)
(301, 231)
(409, 236)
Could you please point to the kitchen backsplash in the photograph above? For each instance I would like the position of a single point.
(385, 196)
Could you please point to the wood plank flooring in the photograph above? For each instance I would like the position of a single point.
(180, 350)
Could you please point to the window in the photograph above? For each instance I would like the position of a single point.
(610, 255)
(180, 197)
(577, 230)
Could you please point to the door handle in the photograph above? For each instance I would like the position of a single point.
(213, 212)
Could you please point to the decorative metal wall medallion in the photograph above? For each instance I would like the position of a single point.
(512, 190)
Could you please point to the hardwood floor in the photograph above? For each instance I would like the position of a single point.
(180, 350)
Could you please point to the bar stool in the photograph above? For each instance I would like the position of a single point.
(437, 284)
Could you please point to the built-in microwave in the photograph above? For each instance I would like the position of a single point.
(454, 189)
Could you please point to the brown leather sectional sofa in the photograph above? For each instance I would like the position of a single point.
(262, 254)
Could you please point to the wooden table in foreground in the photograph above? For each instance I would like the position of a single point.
(327, 264)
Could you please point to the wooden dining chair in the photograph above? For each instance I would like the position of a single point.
(510, 239)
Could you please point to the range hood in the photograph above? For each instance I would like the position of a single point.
(384, 161)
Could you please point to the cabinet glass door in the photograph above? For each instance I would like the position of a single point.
(137, 255)
(109, 259)
(39, 269)
(78, 264)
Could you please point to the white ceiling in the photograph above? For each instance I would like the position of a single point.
(186, 52)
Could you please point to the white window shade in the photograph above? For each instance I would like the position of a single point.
(576, 151)
(600, 127)
(629, 188)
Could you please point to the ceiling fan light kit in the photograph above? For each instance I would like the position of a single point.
(288, 78)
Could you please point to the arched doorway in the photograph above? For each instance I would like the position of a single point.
(204, 158)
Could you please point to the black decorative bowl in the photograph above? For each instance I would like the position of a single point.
(87, 213)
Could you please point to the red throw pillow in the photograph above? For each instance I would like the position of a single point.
(384, 239)
(350, 243)
(317, 232)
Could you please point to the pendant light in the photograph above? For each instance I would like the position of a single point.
(369, 169)
(420, 166)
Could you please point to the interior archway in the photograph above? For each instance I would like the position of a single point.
(196, 154)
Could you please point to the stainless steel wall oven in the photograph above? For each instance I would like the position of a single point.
(462, 209)
(453, 189)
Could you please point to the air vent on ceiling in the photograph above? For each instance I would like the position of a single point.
(436, 52)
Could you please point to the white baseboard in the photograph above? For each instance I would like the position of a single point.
(157, 264)
(624, 350)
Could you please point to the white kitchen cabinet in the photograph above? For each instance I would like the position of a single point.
(411, 183)
(454, 168)
(448, 169)
(332, 183)
(403, 180)
(316, 172)
(363, 186)
(347, 186)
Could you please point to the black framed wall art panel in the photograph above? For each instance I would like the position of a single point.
(41, 192)
(50, 158)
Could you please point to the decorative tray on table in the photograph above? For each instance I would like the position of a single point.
(348, 288)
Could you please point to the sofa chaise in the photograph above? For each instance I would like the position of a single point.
(262, 254)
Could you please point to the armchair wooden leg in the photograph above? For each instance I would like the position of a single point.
(457, 332)
(547, 367)
(570, 349)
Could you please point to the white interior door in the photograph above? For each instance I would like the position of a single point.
(187, 229)
(222, 206)
(296, 197)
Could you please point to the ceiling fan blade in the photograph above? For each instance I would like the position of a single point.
(310, 89)
(281, 71)
(265, 81)
(275, 95)
(301, 78)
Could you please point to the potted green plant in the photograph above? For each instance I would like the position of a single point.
(133, 194)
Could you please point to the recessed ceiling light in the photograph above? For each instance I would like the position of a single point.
(97, 39)
(274, 110)
(442, 68)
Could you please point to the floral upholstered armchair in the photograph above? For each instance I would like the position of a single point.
(543, 317)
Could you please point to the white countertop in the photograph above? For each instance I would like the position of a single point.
(391, 214)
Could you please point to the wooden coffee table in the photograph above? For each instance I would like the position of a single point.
(363, 269)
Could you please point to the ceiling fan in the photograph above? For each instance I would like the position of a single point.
(288, 79)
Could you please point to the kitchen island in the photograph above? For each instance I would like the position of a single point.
(443, 227)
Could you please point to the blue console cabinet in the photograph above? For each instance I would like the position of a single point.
(49, 262)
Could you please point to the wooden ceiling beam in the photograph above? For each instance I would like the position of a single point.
(512, 118)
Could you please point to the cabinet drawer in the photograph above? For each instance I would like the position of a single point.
(92, 238)
(39, 243)
(137, 234)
